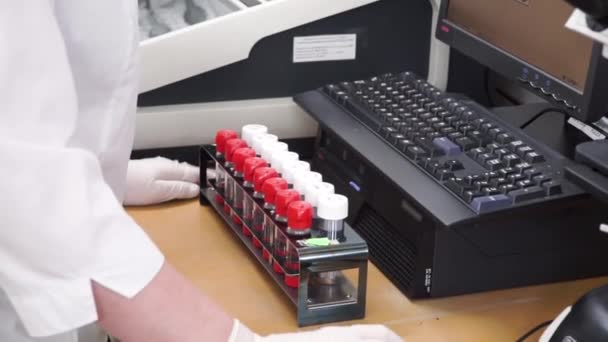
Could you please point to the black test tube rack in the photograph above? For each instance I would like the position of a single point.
(316, 300)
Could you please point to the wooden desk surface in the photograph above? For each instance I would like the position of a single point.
(195, 240)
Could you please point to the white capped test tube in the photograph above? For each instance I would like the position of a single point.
(261, 139)
(279, 158)
(291, 168)
(251, 130)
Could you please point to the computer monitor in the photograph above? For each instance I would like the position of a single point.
(527, 41)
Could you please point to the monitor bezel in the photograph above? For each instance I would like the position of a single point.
(584, 105)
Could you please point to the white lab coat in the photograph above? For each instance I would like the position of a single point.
(67, 104)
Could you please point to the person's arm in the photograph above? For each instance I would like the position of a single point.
(170, 308)
(68, 250)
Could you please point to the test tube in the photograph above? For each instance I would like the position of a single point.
(332, 210)
(238, 158)
(302, 179)
(260, 175)
(220, 143)
(231, 146)
(291, 168)
(280, 158)
(271, 147)
(299, 223)
(261, 139)
(312, 194)
(250, 165)
(251, 130)
(270, 188)
(283, 199)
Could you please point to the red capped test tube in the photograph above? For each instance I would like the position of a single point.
(231, 146)
(270, 188)
(299, 224)
(283, 199)
(260, 175)
(220, 147)
(250, 165)
(238, 158)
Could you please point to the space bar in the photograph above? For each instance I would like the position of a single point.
(362, 114)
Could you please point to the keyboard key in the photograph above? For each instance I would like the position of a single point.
(453, 165)
(470, 195)
(531, 173)
(522, 167)
(527, 194)
(470, 179)
(443, 174)
(433, 166)
(506, 171)
(489, 191)
(492, 147)
(487, 203)
(482, 158)
(534, 157)
(511, 160)
(434, 135)
(514, 145)
(514, 178)
(455, 135)
(428, 146)
(458, 186)
(488, 176)
(395, 137)
(523, 150)
(502, 152)
(466, 129)
(498, 182)
(495, 132)
(494, 164)
(480, 185)
(473, 153)
(552, 188)
(507, 188)
(448, 147)
(541, 179)
(386, 131)
(466, 143)
(504, 138)
(468, 116)
(403, 144)
(415, 152)
(448, 130)
(526, 183)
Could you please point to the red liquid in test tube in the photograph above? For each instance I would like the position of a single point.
(299, 224)
(231, 146)
(250, 165)
(270, 188)
(220, 144)
(239, 156)
(260, 175)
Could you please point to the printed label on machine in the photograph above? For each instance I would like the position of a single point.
(335, 47)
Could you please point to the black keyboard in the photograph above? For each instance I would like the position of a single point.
(477, 157)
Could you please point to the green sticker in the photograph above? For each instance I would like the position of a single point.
(319, 242)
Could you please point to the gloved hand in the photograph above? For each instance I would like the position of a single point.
(158, 180)
(355, 333)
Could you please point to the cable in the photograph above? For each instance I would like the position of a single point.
(534, 330)
(541, 113)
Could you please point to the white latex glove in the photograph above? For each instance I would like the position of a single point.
(355, 333)
(158, 180)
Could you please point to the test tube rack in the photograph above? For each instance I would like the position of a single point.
(316, 302)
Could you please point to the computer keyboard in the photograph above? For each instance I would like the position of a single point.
(477, 157)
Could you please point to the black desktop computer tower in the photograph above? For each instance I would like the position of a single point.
(424, 257)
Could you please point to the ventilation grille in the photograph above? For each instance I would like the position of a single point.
(392, 252)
